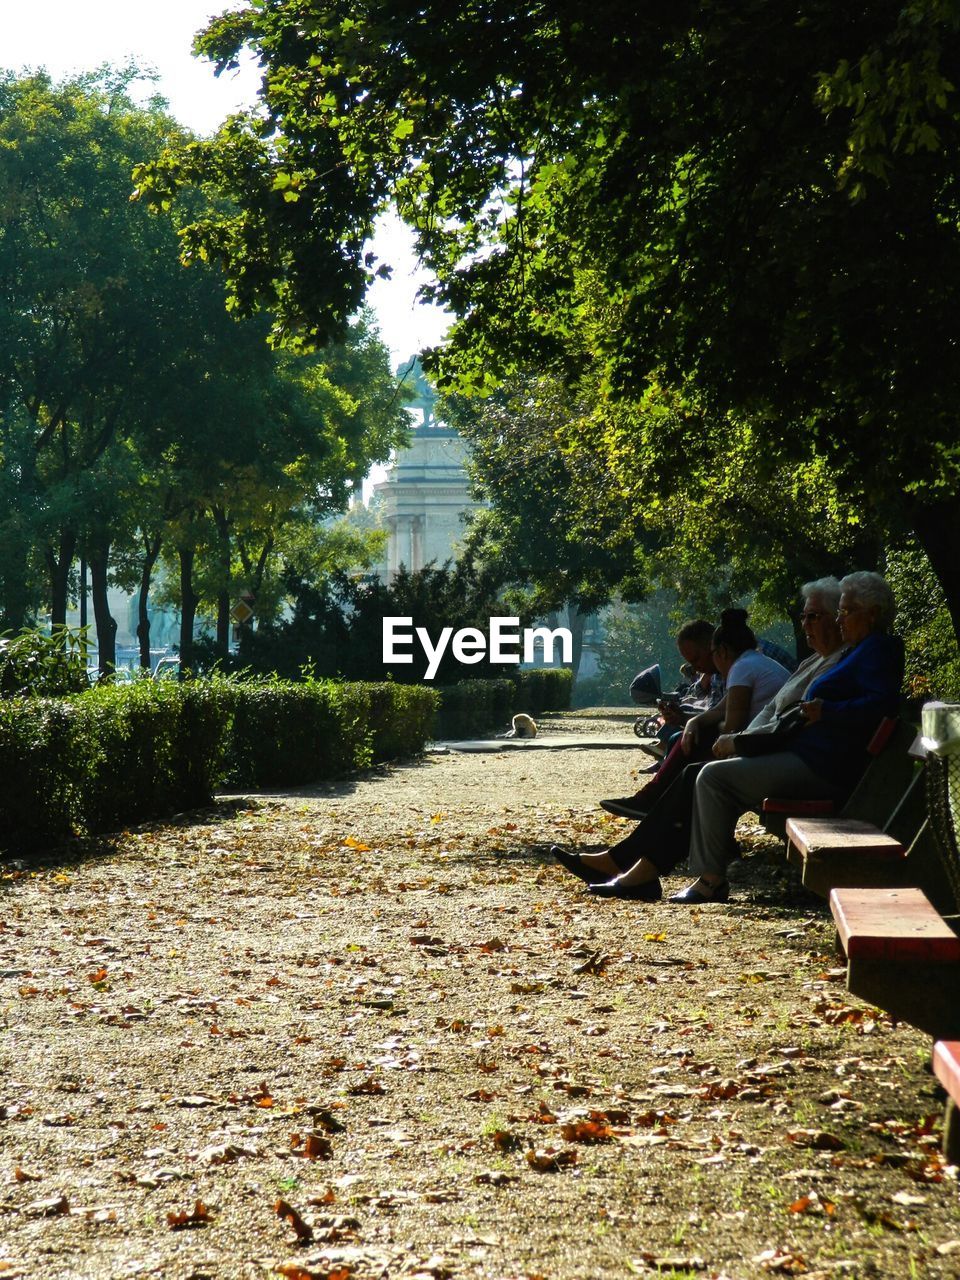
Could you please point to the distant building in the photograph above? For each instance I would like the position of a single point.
(426, 493)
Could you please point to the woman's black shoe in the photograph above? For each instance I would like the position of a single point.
(649, 891)
(694, 897)
(570, 862)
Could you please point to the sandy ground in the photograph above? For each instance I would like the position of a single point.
(371, 1030)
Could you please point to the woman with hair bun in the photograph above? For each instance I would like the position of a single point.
(842, 709)
(751, 679)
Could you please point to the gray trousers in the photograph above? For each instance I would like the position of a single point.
(727, 788)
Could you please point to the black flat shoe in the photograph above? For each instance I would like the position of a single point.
(570, 862)
(649, 891)
(693, 897)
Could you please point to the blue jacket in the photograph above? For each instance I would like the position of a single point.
(857, 693)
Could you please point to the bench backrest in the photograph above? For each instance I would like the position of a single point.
(886, 779)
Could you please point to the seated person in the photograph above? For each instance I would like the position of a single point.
(777, 653)
(662, 839)
(842, 709)
(750, 679)
(818, 617)
(693, 642)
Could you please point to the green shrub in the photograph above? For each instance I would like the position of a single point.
(33, 664)
(116, 755)
(286, 734)
(594, 691)
(44, 765)
(203, 734)
(543, 689)
(401, 718)
(471, 707)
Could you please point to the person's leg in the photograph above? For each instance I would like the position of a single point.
(656, 845)
(642, 802)
(662, 837)
(727, 788)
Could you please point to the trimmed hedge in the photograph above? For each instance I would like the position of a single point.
(472, 707)
(543, 689)
(117, 755)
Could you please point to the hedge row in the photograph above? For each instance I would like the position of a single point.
(118, 755)
(472, 707)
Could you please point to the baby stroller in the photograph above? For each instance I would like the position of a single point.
(644, 689)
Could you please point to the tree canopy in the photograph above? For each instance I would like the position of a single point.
(135, 411)
(764, 198)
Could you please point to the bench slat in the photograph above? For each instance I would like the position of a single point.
(946, 1066)
(845, 835)
(892, 925)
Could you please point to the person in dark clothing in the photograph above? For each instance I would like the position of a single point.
(842, 709)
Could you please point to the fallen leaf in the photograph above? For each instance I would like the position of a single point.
(818, 1139)
(199, 1217)
(316, 1147)
(547, 1159)
(781, 1260)
(505, 1141)
(812, 1203)
(326, 1197)
(52, 1208)
(495, 1178)
(586, 1131)
(303, 1230)
(368, 1086)
(225, 1153)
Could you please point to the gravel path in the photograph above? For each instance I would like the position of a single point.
(371, 1030)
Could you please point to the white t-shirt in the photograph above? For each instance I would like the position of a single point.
(758, 673)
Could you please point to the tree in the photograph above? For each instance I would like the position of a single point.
(766, 197)
(135, 407)
(555, 524)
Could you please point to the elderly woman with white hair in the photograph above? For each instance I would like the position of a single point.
(663, 837)
(842, 710)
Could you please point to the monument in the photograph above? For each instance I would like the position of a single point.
(426, 491)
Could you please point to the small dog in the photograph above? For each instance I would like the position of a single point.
(524, 726)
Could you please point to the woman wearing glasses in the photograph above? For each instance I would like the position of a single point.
(662, 839)
(842, 709)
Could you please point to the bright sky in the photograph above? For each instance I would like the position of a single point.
(67, 36)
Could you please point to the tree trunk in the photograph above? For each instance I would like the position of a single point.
(151, 549)
(222, 524)
(106, 624)
(188, 607)
(59, 563)
(223, 623)
(576, 621)
(16, 593)
(936, 530)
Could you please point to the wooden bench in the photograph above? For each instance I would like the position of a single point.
(902, 956)
(946, 1066)
(889, 772)
(880, 837)
(836, 852)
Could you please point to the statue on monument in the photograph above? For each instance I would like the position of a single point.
(412, 377)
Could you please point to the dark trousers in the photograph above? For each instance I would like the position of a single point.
(663, 836)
